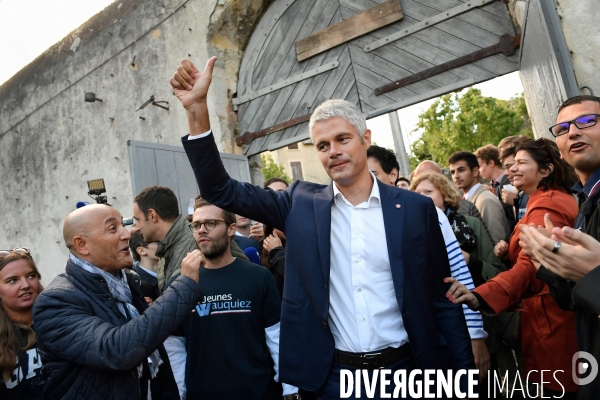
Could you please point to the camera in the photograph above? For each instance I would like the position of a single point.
(97, 190)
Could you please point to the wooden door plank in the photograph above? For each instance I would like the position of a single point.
(308, 15)
(365, 94)
(351, 95)
(317, 91)
(275, 33)
(477, 17)
(335, 79)
(370, 79)
(283, 111)
(345, 84)
(386, 69)
(285, 30)
(288, 104)
(284, 96)
(304, 96)
(454, 45)
(410, 47)
(358, 6)
(498, 8)
(256, 146)
(344, 31)
(456, 27)
(257, 42)
(320, 16)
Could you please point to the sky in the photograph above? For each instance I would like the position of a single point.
(29, 27)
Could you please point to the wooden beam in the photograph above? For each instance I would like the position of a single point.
(344, 31)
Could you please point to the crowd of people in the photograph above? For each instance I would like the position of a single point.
(270, 292)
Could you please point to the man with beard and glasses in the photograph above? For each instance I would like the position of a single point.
(574, 280)
(236, 324)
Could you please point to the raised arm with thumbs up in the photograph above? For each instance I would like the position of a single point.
(191, 88)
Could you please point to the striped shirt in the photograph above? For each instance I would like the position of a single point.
(460, 271)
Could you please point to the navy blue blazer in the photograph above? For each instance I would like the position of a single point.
(436, 328)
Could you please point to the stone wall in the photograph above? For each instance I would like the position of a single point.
(52, 142)
(582, 34)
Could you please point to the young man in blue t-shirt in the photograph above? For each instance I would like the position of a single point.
(235, 325)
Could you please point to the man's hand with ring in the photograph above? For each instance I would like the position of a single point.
(556, 247)
(190, 266)
(579, 253)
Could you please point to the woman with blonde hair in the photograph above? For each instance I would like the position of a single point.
(19, 357)
(472, 236)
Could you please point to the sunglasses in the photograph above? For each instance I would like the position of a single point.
(18, 250)
(585, 121)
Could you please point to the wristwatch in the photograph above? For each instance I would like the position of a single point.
(294, 396)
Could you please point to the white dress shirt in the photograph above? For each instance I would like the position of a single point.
(468, 195)
(363, 311)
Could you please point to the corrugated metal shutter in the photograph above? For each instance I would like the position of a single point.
(166, 165)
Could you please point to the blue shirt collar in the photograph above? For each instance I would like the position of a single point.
(587, 188)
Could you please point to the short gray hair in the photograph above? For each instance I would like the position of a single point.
(339, 108)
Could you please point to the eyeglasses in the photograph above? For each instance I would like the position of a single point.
(18, 250)
(585, 121)
(209, 224)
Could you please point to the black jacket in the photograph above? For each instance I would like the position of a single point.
(148, 282)
(582, 297)
(277, 258)
(89, 349)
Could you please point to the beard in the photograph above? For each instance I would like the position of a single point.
(216, 247)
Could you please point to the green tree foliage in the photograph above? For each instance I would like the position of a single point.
(467, 122)
(270, 169)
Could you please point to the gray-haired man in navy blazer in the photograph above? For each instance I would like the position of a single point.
(365, 262)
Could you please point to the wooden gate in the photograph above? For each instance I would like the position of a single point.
(350, 48)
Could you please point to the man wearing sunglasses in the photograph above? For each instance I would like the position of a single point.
(577, 134)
